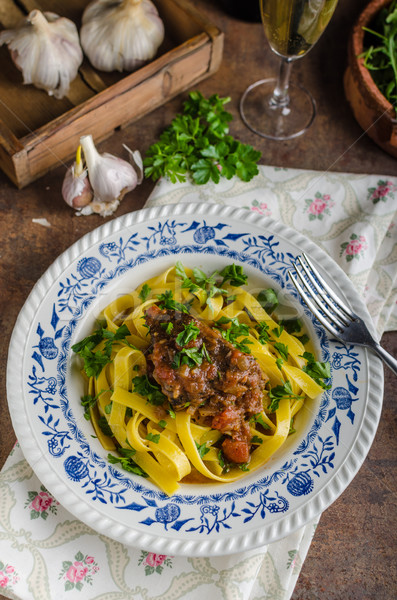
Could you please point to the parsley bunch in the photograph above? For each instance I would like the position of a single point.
(198, 144)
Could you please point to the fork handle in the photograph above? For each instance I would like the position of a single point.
(387, 358)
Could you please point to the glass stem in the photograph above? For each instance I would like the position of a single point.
(280, 97)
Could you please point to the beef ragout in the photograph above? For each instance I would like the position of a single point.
(200, 371)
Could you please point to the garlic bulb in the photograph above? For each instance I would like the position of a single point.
(76, 187)
(46, 48)
(110, 178)
(121, 35)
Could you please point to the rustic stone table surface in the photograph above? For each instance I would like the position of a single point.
(353, 552)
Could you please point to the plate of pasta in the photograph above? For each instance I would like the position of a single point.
(171, 390)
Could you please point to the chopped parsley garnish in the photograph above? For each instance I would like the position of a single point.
(235, 274)
(153, 437)
(234, 330)
(256, 440)
(166, 300)
(291, 325)
(162, 423)
(282, 348)
(192, 357)
(88, 401)
(212, 284)
(108, 408)
(277, 331)
(151, 391)
(104, 426)
(317, 370)
(202, 449)
(168, 327)
(95, 361)
(279, 362)
(303, 338)
(259, 419)
(263, 329)
(268, 300)
(189, 333)
(279, 392)
(127, 461)
(145, 291)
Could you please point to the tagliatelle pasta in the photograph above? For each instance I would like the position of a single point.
(191, 379)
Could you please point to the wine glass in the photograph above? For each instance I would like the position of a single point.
(275, 108)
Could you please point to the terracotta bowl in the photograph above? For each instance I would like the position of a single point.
(373, 112)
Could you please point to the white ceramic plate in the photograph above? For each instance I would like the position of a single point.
(333, 435)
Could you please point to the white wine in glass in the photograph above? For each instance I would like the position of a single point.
(274, 108)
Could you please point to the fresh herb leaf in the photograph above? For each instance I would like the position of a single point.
(149, 390)
(317, 370)
(95, 361)
(168, 327)
(256, 440)
(153, 437)
(104, 426)
(234, 274)
(279, 392)
(127, 462)
(197, 144)
(259, 419)
(162, 423)
(268, 300)
(291, 325)
(202, 449)
(233, 331)
(282, 348)
(277, 331)
(303, 338)
(263, 329)
(166, 300)
(189, 333)
(380, 51)
(192, 357)
(145, 291)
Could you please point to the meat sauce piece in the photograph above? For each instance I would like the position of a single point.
(222, 392)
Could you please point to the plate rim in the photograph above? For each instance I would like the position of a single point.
(229, 543)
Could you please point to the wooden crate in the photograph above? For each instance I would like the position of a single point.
(39, 132)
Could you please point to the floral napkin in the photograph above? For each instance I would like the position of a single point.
(45, 553)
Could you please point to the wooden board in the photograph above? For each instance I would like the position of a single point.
(38, 132)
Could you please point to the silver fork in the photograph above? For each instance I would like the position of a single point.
(329, 309)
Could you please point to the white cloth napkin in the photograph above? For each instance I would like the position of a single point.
(47, 554)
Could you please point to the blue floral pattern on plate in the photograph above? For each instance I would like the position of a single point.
(54, 406)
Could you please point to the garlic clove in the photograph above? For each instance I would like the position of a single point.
(76, 188)
(136, 161)
(121, 35)
(46, 48)
(110, 177)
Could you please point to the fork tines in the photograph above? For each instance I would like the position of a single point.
(319, 297)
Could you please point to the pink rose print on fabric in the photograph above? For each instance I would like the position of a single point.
(8, 576)
(41, 504)
(383, 191)
(78, 572)
(318, 206)
(260, 207)
(154, 563)
(354, 248)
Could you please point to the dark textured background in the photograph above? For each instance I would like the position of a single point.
(353, 553)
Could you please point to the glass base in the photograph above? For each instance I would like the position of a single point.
(277, 121)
